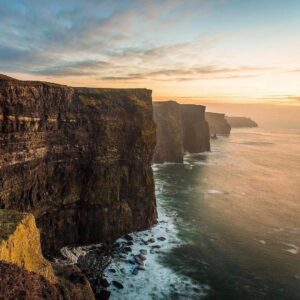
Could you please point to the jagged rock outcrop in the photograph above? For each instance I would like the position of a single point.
(25, 273)
(217, 123)
(20, 243)
(195, 128)
(78, 159)
(240, 122)
(180, 128)
(169, 146)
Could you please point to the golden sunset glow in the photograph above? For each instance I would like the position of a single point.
(200, 51)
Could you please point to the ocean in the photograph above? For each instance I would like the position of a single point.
(229, 224)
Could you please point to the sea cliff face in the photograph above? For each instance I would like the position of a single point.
(78, 159)
(195, 128)
(241, 122)
(217, 123)
(180, 128)
(169, 147)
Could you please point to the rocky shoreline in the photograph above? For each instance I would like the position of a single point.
(133, 265)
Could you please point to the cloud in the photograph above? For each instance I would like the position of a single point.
(194, 73)
(111, 41)
(80, 68)
(295, 98)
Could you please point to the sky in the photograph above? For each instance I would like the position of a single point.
(193, 51)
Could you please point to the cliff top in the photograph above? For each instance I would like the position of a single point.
(241, 122)
(173, 102)
(165, 102)
(9, 221)
(36, 82)
(215, 114)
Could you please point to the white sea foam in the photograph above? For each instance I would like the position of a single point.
(72, 254)
(215, 192)
(262, 242)
(157, 281)
(293, 248)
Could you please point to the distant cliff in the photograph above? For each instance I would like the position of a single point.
(169, 147)
(241, 122)
(180, 128)
(195, 128)
(78, 159)
(25, 273)
(217, 123)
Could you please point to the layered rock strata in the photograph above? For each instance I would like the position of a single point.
(241, 122)
(180, 128)
(78, 159)
(217, 123)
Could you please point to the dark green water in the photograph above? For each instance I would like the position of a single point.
(237, 213)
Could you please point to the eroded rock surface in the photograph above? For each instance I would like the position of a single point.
(18, 283)
(20, 243)
(78, 159)
(25, 273)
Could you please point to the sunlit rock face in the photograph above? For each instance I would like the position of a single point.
(240, 122)
(169, 147)
(217, 123)
(20, 243)
(78, 159)
(195, 128)
(25, 273)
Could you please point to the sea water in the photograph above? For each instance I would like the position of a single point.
(231, 223)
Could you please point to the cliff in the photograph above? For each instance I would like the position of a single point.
(195, 128)
(78, 159)
(25, 273)
(217, 123)
(180, 128)
(241, 122)
(169, 147)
